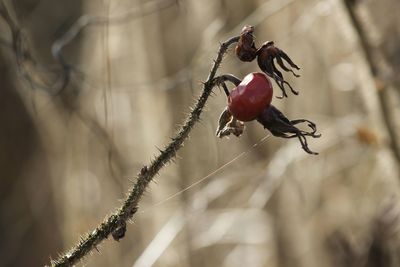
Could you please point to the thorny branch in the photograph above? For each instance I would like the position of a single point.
(116, 223)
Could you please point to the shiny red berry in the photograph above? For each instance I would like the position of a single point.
(247, 101)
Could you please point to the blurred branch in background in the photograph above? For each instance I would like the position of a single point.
(382, 248)
(379, 67)
(27, 65)
(88, 20)
(55, 79)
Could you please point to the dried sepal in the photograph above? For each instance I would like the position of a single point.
(227, 125)
(220, 81)
(265, 59)
(279, 125)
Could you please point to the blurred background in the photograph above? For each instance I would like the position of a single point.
(91, 89)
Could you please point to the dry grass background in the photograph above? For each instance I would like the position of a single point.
(67, 160)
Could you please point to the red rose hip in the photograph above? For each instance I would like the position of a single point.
(247, 101)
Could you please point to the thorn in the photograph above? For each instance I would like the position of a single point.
(144, 170)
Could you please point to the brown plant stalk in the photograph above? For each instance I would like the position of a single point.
(375, 59)
(115, 224)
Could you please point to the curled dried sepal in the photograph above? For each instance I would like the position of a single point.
(266, 55)
(246, 49)
(227, 125)
(280, 126)
(220, 81)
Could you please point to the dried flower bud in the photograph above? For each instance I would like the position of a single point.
(246, 49)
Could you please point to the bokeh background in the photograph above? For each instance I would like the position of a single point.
(69, 155)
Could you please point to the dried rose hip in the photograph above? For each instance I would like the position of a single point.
(248, 100)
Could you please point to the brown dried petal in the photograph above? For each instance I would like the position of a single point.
(227, 125)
